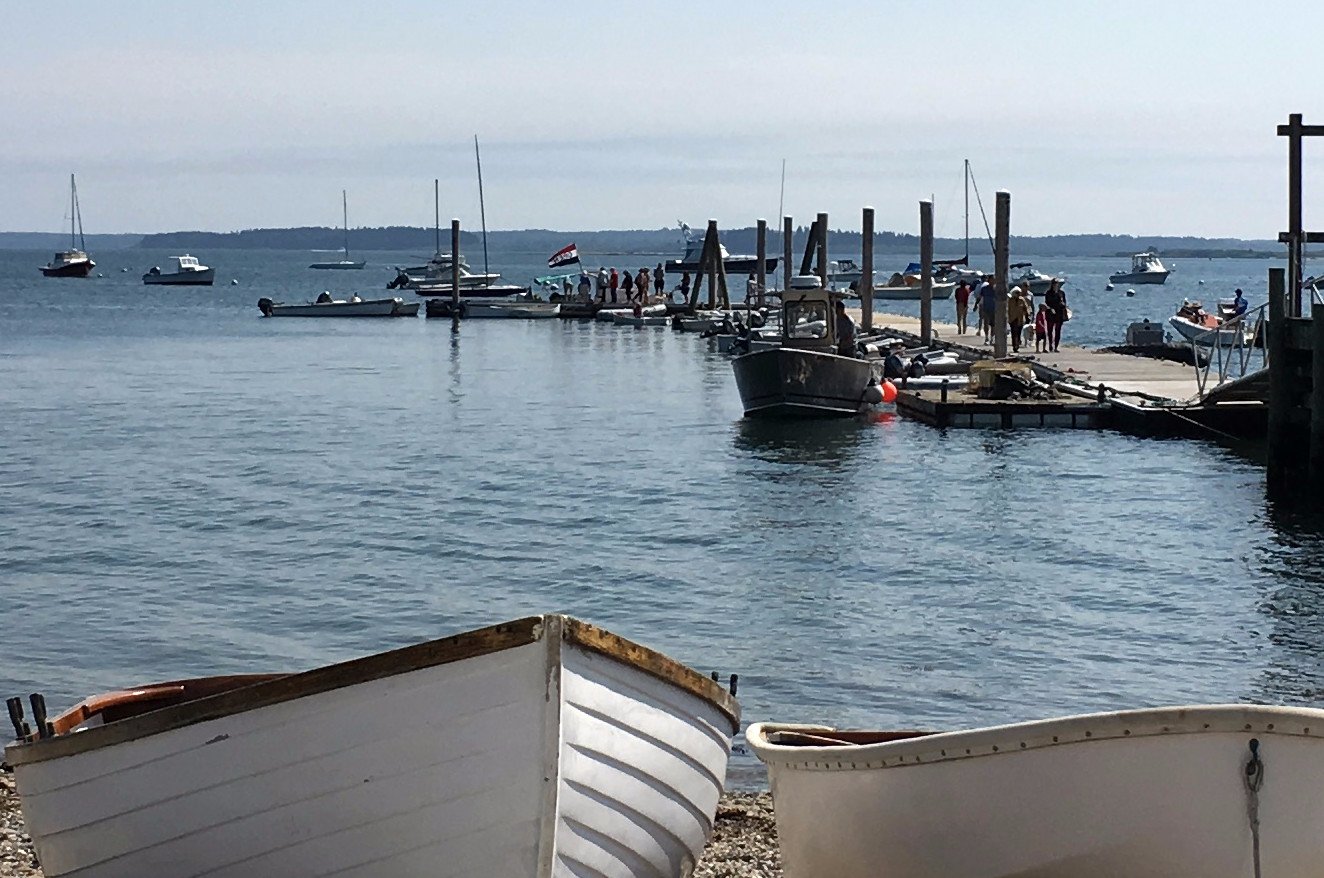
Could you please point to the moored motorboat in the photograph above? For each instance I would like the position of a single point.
(1037, 281)
(188, 272)
(907, 285)
(739, 264)
(1146, 268)
(328, 307)
(1217, 791)
(484, 309)
(540, 747)
(73, 262)
(1223, 329)
(803, 376)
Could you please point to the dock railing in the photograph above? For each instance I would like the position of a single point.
(1230, 360)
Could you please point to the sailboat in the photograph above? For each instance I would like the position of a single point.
(345, 263)
(73, 262)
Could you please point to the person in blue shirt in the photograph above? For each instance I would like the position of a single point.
(1239, 304)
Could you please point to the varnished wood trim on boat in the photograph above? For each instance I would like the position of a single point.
(655, 663)
(287, 688)
(126, 703)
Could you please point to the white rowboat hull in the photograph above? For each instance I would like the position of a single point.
(1136, 793)
(1204, 335)
(542, 747)
(940, 291)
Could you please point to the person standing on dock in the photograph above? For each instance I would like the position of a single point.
(641, 286)
(1019, 307)
(602, 284)
(660, 280)
(1056, 300)
(986, 296)
(962, 305)
(684, 286)
(845, 330)
(613, 283)
(1041, 329)
(627, 285)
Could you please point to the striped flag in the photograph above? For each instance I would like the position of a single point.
(565, 256)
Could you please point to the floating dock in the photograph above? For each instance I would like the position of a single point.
(1093, 389)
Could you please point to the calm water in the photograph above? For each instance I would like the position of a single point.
(186, 488)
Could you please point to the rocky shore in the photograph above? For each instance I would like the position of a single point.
(744, 842)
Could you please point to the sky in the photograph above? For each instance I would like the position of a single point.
(1147, 118)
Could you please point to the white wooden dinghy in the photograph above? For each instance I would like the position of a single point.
(540, 747)
(1221, 791)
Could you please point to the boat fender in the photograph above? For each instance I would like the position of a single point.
(264, 305)
(873, 394)
(756, 319)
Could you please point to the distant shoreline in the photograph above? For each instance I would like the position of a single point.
(653, 242)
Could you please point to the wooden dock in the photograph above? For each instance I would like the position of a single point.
(1138, 395)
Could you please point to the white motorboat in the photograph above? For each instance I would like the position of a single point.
(188, 272)
(647, 315)
(73, 262)
(540, 747)
(1036, 280)
(907, 286)
(844, 272)
(1224, 329)
(345, 264)
(437, 275)
(484, 309)
(1218, 791)
(328, 307)
(739, 264)
(1146, 268)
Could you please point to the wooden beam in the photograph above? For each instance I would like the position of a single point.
(865, 284)
(455, 268)
(926, 272)
(761, 251)
(822, 250)
(807, 263)
(788, 231)
(1002, 234)
(1308, 237)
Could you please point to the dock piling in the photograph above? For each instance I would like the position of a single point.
(822, 270)
(788, 232)
(761, 275)
(455, 269)
(865, 284)
(1000, 259)
(926, 272)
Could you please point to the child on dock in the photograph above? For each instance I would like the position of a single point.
(962, 306)
(1041, 330)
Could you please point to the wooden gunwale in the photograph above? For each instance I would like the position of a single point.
(472, 644)
(277, 689)
(653, 663)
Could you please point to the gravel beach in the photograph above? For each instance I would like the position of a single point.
(744, 842)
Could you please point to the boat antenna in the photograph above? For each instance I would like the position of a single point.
(781, 203)
(344, 212)
(980, 202)
(436, 222)
(482, 209)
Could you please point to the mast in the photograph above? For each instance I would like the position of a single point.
(967, 213)
(781, 203)
(436, 208)
(73, 209)
(482, 208)
(344, 211)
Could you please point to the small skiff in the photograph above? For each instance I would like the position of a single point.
(540, 747)
(1217, 791)
(395, 307)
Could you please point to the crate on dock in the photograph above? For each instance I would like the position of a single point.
(984, 373)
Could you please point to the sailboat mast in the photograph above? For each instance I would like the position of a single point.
(344, 212)
(436, 209)
(781, 202)
(482, 207)
(967, 213)
(73, 209)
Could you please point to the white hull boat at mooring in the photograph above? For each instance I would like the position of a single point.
(904, 292)
(1219, 791)
(541, 747)
(396, 307)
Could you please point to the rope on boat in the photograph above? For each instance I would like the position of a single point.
(1254, 780)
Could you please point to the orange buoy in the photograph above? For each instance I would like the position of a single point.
(889, 391)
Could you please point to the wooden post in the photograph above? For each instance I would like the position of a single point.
(715, 259)
(822, 271)
(811, 248)
(1000, 258)
(455, 268)
(1280, 385)
(865, 284)
(1316, 455)
(1295, 247)
(926, 272)
(761, 251)
(788, 232)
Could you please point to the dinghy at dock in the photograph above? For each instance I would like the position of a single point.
(1211, 791)
(543, 746)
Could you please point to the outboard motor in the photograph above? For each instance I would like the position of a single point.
(264, 305)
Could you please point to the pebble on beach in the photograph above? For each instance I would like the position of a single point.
(744, 842)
